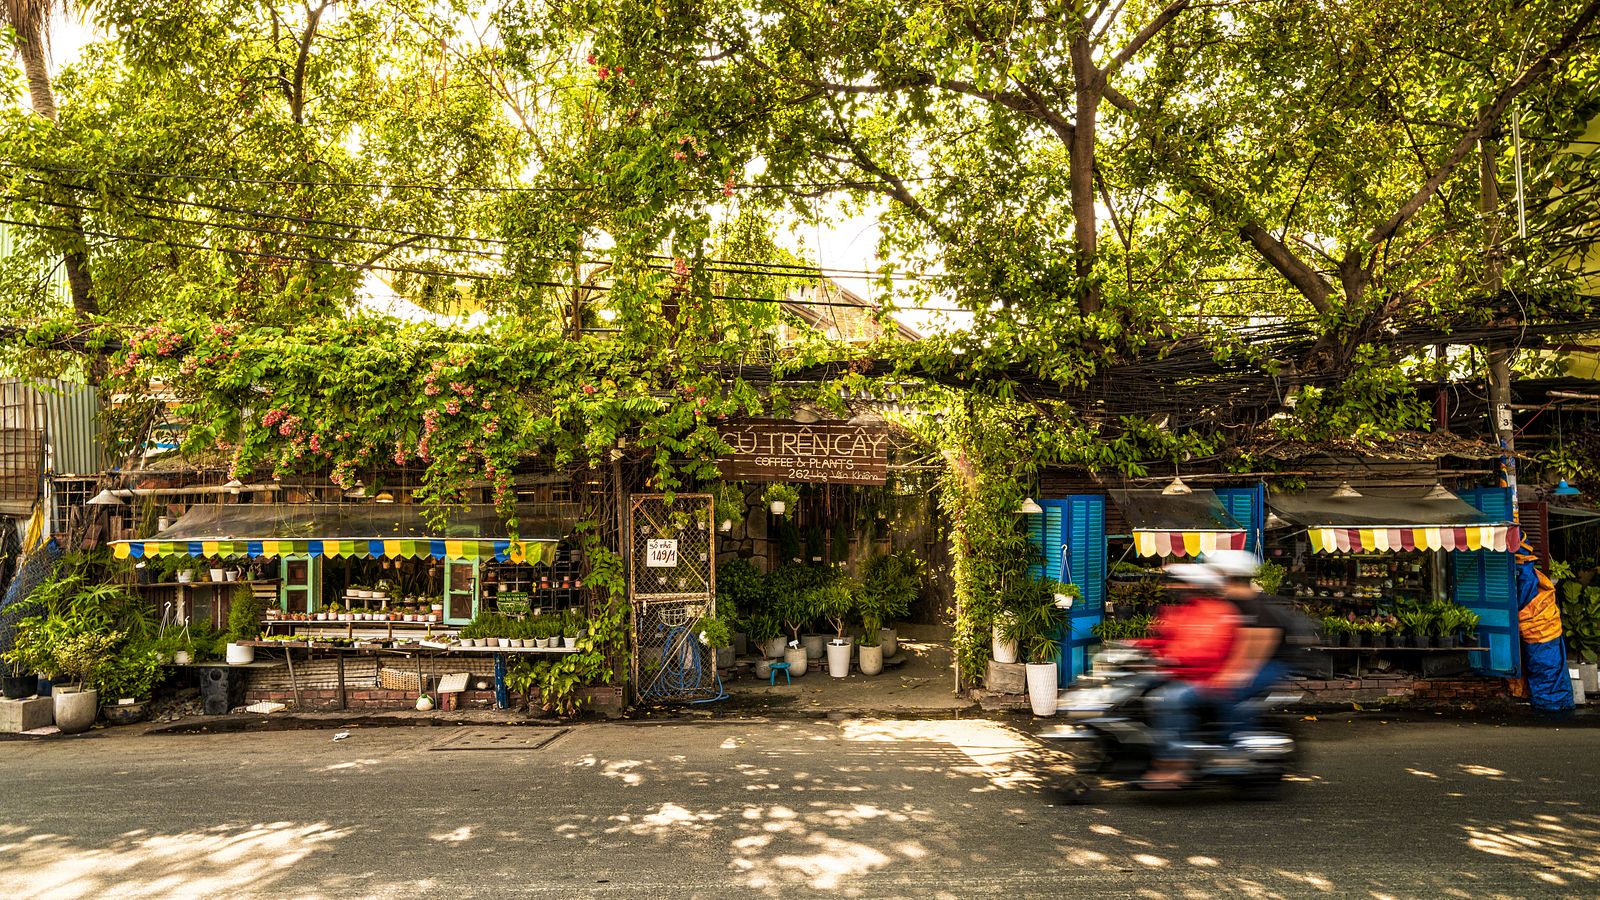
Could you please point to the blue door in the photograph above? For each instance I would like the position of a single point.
(1248, 507)
(1071, 537)
(1485, 582)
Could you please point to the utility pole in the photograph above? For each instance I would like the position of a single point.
(1499, 353)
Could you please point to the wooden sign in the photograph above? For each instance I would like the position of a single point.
(788, 451)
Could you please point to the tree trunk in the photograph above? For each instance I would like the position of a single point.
(76, 259)
(1080, 172)
(1499, 354)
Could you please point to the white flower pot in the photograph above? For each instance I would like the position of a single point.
(796, 658)
(75, 710)
(185, 577)
(239, 655)
(889, 640)
(774, 648)
(231, 575)
(1004, 651)
(778, 507)
(571, 643)
(180, 658)
(218, 575)
(871, 659)
(1042, 688)
(813, 644)
(838, 659)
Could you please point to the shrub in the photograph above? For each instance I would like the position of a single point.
(244, 615)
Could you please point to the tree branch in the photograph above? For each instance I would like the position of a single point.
(1485, 123)
(1144, 36)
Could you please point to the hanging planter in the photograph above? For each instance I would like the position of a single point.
(779, 497)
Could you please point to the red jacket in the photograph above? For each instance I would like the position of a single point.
(1196, 637)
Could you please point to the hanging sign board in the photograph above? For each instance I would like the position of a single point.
(661, 553)
(788, 451)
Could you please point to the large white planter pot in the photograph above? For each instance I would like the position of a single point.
(871, 659)
(813, 644)
(75, 710)
(796, 658)
(1579, 696)
(1004, 651)
(774, 648)
(838, 659)
(889, 640)
(239, 655)
(1042, 689)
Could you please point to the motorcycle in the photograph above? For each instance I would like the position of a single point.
(1112, 738)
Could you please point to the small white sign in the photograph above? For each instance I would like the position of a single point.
(661, 553)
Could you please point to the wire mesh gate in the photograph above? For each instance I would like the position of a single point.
(672, 582)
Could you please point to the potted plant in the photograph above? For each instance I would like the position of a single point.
(716, 634)
(893, 581)
(729, 507)
(766, 630)
(780, 498)
(1416, 622)
(78, 657)
(836, 602)
(792, 602)
(244, 624)
(1036, 626)
(869, 650)
(1580, 625)
(126, 682)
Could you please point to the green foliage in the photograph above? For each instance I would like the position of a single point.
(716, 630)
(741, 588)
(728, 502)
(835, 600)
(1580, 619)
(792, 595)
(1270, 577)
(491, 624)
(131, 672)
(889, 584)
(1033, 619)
(1129, 629)
(762, 625)
(778, 492)
(244, 615)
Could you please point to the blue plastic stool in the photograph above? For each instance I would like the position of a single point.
(772, 677)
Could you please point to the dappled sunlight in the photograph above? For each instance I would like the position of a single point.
(464, 833)
(202, 863)
(1560, 849)
(1482, 771)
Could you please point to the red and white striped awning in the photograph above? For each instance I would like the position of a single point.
(1186, 543)
(1411, 537)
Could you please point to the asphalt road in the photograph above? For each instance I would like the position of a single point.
(855, 808)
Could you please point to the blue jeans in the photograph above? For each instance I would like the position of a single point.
(1173, 713)
(1235, 715)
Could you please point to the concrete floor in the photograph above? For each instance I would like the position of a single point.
(925, 684)
(857, 808)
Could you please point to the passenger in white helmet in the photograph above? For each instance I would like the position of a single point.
(1192, 638)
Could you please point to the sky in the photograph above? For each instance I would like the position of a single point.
(842, 242)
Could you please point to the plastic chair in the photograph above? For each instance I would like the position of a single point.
(772, 677)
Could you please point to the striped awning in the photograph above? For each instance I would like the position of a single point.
(533, 552)
(1186, 543)
(360, 530)
(1409, 537)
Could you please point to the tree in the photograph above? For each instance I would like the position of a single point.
(30, 28)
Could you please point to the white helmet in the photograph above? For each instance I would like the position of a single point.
(1234, 563)
(1194, 575)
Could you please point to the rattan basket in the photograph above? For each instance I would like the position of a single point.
(399, 680)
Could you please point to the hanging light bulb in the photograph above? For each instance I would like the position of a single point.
(105, 498)
(234, 485)
(1344, 490)
(1561, 490)
(1176, 488)
(1030, 508)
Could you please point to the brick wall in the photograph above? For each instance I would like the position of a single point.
(1376, 688)
(603, 699)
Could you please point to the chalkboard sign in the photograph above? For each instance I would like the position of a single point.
(788, 451)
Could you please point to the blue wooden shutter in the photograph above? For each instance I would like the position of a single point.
(1248, 506)
(1080, 559)
(1485, 582)
(1044, 534)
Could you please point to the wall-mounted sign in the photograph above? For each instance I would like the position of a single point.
(787, 451)
(661, 553)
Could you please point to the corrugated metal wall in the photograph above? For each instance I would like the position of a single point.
(72, 428)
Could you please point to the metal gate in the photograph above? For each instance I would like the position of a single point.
(672, 582)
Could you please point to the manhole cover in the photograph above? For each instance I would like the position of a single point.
(500, 739)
